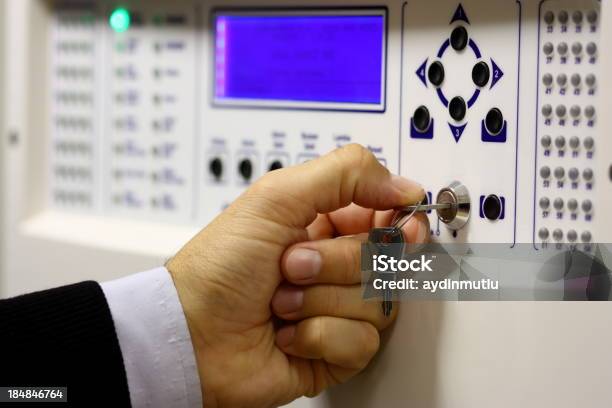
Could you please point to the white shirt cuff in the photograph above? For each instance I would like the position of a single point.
(154, 338)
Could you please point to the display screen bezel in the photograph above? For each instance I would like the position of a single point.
(302, 105)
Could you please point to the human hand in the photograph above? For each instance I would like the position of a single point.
(290, 247)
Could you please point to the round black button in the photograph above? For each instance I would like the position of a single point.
(436, 73)
(494, 121)
(275, 165)
(481, 74)
(457, 108)
(421, 119)
(492, 207)
(459, 38)
(216, 168)
(246, 169)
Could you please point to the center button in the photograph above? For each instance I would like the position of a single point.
(457, 108)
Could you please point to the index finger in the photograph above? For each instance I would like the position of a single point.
(351, 174)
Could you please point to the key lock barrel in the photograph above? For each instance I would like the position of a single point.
(458, 212)
(452, 206)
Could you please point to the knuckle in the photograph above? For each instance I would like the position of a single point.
(357, 155)
(313, 333)
(353, 262)
(371, 343)
(334, 301)
(350, 259)
(266, 182)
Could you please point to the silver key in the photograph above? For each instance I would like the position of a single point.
(387, 241)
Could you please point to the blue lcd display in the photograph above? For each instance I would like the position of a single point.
(318, 58)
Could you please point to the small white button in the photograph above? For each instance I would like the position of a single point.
(561, 110)
(548, 48)
(586, 237)
(574, 142)
(591, 48)
(590, 80)
(573, 174)
(575, 111)
(562, 48)
(560, 142)
(549, 17)
(589, 111)
(587, 206)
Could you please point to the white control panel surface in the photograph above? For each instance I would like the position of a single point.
(480, 92)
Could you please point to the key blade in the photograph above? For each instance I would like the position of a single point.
(427, 207)
(387, 307)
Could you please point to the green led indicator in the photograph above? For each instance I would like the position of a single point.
(120, 20)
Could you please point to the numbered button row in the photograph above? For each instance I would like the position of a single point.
(577, 48)
(575, 111)
(573, 173)
(574, 142)
(562, 80)
(72, 197)
(577, 17)
(74, 72)
(558, 204)
(557, 235)
(77, 21)
(74, 98)
(72, 173)
(73, 123)
(66, 147)
(73, 47)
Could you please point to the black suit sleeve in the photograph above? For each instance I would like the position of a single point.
(64, 337)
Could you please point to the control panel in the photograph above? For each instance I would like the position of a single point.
(167, 111)
(133, 123)
(461, 97)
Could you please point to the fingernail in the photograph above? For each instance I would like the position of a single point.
(285, 336)
(287, 300)
(410, 188)
(303, 264)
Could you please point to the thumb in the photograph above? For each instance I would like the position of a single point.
(350, 174)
